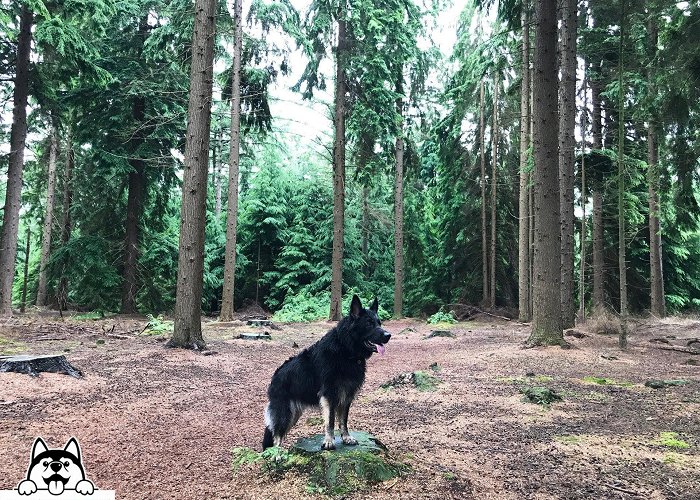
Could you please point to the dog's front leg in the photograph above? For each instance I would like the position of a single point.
(328, 412)
(343, 421)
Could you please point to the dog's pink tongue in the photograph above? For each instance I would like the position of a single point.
(55, 487)
(380, 349)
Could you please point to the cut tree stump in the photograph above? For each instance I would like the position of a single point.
(440, 333)
(33, 365)
(255, 336)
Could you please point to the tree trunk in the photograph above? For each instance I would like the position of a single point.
(398, 207)
(48, 218)
(582, 269)
(658, 303)
(216, 164)
(567, 119)
(597, 188)
(531, 191)
(339, 172)
(227, 308)
(134, 212)
(484, 242)
(66, 224)
(23, 304)
(188, 303)
(546, 313)
(622, 249)
(18, 137)
(523, 198)
(494, 165)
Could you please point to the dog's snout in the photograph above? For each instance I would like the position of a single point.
(387, 336)
(56, 466)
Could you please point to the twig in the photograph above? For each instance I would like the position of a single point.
(40, 339)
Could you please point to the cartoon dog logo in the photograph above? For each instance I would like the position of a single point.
(56, 470)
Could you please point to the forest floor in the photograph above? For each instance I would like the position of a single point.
(156, 423)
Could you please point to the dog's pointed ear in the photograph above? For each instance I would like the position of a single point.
(73, 447)
(39, 447)
(375, 306)
(355, 306)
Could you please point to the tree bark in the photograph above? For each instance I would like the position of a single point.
(546, 314)
(339, 172)
(134, 212)
(48, 218)
(66, 224)
(523, 198)
(658, 303)
(227, 304)
(584, 230)
(18, 137)
(398, 207)
(567, 119)
(188, 303)
(27, 248)
(494, 165)
(484, 242)
(597, 189)
(622, 249)
(216, 165)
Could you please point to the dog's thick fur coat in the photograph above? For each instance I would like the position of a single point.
(327, 374)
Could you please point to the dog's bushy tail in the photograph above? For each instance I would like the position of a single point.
(267, 441)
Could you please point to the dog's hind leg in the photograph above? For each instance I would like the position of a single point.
(279, 418)
(343, 410)
(328, 412)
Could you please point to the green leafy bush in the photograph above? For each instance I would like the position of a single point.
(442, 317)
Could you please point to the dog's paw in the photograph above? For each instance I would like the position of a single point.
(349, 441)
(328, 444)
(26, 487)
(85, 487)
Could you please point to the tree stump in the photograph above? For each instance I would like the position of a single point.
(255, 336)
(347, 469)
(33, 365)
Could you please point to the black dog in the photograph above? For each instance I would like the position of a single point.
(327, 374)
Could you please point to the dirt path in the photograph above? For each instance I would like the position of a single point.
(160, 424)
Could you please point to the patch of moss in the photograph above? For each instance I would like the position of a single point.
(9, 346)
(314, 421)
(539, 395)
(423, 381)
(93, 315)
(568, 439)
(449, 476)
(607, 381)
(673, 458)
(671, 440)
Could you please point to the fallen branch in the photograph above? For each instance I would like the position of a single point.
(685, 350)
(623, 490)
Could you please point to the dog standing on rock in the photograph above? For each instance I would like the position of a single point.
(328, 374)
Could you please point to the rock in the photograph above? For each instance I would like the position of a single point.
(575, 333)
(692, 362)
(610, 357)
